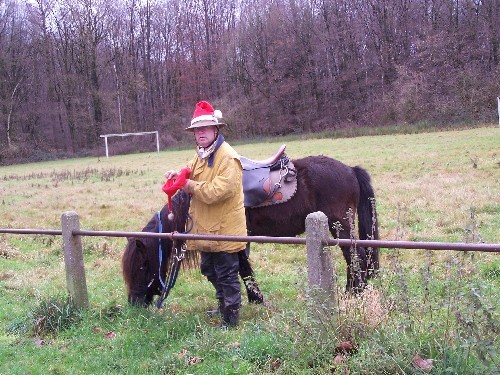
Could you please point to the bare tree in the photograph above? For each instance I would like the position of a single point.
(73, 69)
(13, 69)
(88, 18)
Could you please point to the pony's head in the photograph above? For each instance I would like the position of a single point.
(140, 270)
(140, 261)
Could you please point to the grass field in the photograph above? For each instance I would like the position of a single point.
(442, 306)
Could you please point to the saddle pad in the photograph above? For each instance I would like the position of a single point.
(259, 186)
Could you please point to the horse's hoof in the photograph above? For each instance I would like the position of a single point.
(257, 301)
(253, 292)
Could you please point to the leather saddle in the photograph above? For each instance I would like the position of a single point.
(249, 164)
(269, 181)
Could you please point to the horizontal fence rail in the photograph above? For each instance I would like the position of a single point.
(409, 245)
(320, 270)
(53, 232)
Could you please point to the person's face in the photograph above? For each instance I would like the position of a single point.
(205, 135)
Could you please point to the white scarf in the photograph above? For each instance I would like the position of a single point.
(204, 153)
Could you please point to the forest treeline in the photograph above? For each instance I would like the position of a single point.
(71, 70)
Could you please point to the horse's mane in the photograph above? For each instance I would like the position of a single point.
(132, 256)
(127, 262)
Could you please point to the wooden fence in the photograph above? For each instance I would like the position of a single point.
(321, 275)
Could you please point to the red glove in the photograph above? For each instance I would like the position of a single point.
(172, 185)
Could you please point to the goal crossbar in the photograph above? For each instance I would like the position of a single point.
(105, 136)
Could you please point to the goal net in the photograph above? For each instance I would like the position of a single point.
(106, 136)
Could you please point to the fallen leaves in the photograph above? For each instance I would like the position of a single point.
(190, 360)
(182, 354)
(109, 335)
(194, 360)
(346, 347)
(343, 350)
(422, 364)
(276, 364)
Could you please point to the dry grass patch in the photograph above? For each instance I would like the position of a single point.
(7, 251)
(367, 308)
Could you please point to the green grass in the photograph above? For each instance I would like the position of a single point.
(441, 305)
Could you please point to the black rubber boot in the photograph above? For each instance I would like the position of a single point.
(217, 311)
(230, 317)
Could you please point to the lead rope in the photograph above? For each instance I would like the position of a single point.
(172, 278)
(175, 265)
(160, 251)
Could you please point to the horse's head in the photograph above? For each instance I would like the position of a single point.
(140, 270)
(140, 261)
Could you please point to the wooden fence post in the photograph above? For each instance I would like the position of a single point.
(73, 260)
(320, 269)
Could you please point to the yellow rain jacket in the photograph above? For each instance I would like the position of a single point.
(217, 200)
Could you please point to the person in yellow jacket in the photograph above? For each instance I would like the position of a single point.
(216, 190)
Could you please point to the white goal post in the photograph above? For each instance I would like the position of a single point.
(498, 103)
(105, 136)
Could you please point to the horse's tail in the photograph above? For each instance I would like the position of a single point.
(367, 218)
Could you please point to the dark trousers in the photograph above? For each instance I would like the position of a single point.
(221, 269)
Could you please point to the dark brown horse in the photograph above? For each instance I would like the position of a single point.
(327, 185)
(323, 184)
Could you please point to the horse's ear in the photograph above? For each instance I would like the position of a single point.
(137, 243)
(140, 245)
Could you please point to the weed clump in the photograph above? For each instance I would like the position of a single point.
(47, 318)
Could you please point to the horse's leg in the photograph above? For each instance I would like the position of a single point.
(354, 256)
(338, 230)
(356, 268)
(246, 273)
(358, 264)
